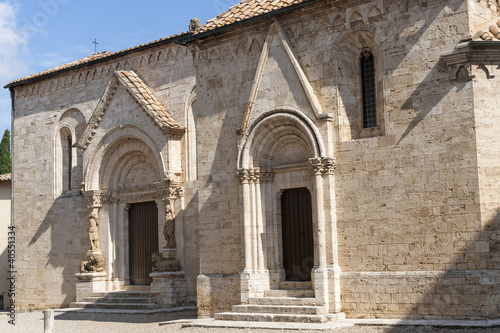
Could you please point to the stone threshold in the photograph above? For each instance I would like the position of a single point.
(211, 323)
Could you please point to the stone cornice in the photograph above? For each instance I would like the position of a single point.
(484, 54)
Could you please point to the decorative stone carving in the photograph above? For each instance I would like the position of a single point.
(243, 176)
(194, 25)
(94, 231)
(161, 264)
(266, 177)
(323, 165)
(169, 227)
(94, 264)
(255, 176)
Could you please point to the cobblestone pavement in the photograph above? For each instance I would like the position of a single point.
(73, 322)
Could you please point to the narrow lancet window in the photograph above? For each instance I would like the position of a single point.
(368, 89)
(70, 160)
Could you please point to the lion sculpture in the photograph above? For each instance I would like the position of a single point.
(160, 264)
(94, 264)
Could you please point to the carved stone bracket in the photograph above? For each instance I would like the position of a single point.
(323, 165)
(472, 58)
(255, 176)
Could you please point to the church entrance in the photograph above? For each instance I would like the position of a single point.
(143, 241)
(297, 234)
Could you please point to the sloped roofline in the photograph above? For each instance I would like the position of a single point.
(190, 38)
(52, 73)
(184, 39)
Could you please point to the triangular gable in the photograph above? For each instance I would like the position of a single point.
(142, 94)
(277, 32)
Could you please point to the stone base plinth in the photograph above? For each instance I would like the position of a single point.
(169, 289)
(89, 283)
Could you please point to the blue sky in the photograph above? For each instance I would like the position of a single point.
(40, 34)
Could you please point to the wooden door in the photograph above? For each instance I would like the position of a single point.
(297, 234)
(143, 241)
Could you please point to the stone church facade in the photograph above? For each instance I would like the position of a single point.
(342, 153)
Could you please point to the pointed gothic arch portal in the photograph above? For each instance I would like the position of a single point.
(283, 151)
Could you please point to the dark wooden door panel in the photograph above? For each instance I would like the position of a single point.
(143, 241)
(297, 234)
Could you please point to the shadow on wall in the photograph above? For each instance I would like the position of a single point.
(470, 289)
(68, 241)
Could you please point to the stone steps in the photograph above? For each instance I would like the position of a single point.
(114, 306)
(293, 302)
(295, 285)
(279, 309)
(289, 293)
(145, 300)
(271, 317)
(132, 299)
(297, 301)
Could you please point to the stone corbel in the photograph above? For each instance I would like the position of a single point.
(470, 56)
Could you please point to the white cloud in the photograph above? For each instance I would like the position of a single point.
(11, 43)
(11, 66)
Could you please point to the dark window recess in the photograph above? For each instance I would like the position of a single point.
(368, 89)
(70, 160)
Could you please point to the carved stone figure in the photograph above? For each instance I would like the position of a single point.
(161, 264)
(194, 25)
(169, 228)
(94, 232)
(94, 264)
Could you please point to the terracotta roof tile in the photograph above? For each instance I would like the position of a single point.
(491, 33)
(245, 10)
(6, 177)
(145, 96)
(95, 57)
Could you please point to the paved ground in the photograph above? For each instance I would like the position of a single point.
(75, 322)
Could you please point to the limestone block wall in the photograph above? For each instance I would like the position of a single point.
(410, 232)
(52, 253)
(225, 74)
(5, 208)
(408, 198)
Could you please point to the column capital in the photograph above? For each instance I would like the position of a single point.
(323, 165)
(94, 198)
(255, 176)
(244, 176)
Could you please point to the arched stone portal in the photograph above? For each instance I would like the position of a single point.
(283, 150)
(127, 169)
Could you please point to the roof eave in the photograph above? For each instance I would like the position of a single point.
(192, 38)
(92, 62)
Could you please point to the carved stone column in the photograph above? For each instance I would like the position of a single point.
(92, 277)
(94, 199)
(326, 275)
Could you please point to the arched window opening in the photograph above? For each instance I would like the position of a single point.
(70, 160)
(368, 84)
(66, 155)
